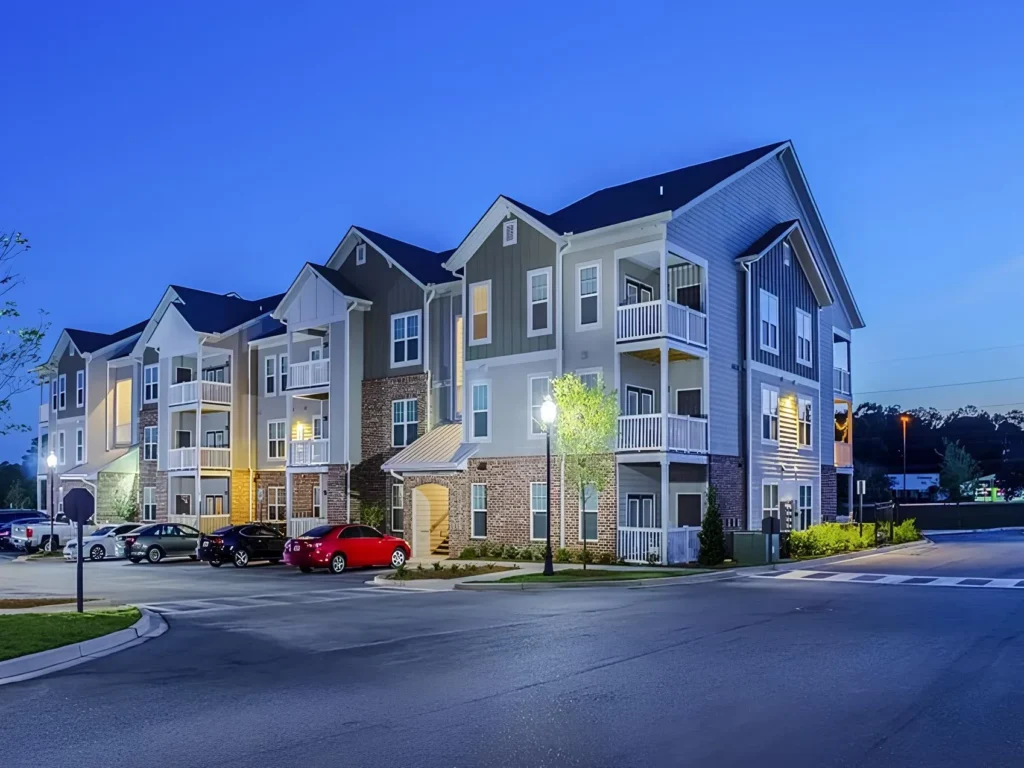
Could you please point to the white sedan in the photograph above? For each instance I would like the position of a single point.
(101, 544)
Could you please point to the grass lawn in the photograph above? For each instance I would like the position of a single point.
(33, 602)
(40, 555)
(595, 574)
(22, 633)
(412, 574)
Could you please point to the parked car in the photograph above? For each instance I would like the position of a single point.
(241, 544)
(337, 547)
(101, 544)
(159, 540)
(20, 517)
(36, 535)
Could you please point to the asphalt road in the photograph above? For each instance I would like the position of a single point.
(745, 672)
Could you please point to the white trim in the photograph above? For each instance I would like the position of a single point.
(727, 181)
(490, 313)
(640, 390)
(768, 388)
(283, 438)
(472, 510)
(62, 392)
(472, 411)
(530, 330)
(155, 443)
(155, 367)
(521, 359)
(79, 443)
(530, 421)
(681, 253)
(703, 505)
(800, 402)
(400, 487)
(533, 512)
(802, 315)
(598, 371)
(405, 423)
(579, 297)
(509, 232)
(80, 388)
(841, 333)
(674, 405)
(62, 448)
(777, 482)
(283, 361)
(631, 251)
(360, 254)
(784, 375)
(270, 376)
(492, 217)
(773, 301)
(404, 318)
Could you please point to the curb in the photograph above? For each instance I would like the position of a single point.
(954, 531)
(43, 663)
(497, 586)
(845, 556)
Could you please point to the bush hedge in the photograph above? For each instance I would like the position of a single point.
(836, 538)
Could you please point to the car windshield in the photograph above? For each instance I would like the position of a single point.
(102, 531)
(145, 530)
(317, 533)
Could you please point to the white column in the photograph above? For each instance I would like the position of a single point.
(288, 499)
(663, 287)
(665, 509)
(199, 432)
(665, 398)
(288, 444)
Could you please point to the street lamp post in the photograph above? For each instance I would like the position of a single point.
(904, 418)
(51, 463)
(548, 413)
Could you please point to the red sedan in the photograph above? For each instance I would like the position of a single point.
(337, 547)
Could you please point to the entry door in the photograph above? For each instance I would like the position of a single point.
(687, 509)
(688, 402)
(638, 293)
(640, 511)
(421, 518)
(639, 401)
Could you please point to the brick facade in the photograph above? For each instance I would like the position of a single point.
(303, 484)
(829, 499)
(727, 475)
(149, 476)
(458, 506)
(264, 481)
(337, 490)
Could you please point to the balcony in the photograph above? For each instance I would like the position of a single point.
(844, 454)
(686, 434)
(44, 413)
(841, 381)
(186, 393)
(312, 373)
(308, 453)
(655, 319)
(185, 458)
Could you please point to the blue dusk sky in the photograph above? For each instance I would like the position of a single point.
(221, 145)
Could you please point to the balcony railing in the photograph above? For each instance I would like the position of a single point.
(305, 453)
(185, 458)
(841, 380)
(312, 373)
(181, 458)
(649, 319)
(183, 393)
(686, 434)
(844, 454)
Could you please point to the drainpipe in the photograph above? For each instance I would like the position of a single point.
(558, 372)
(346, 389)
(747, 384)
(252, 440)
(428, 297)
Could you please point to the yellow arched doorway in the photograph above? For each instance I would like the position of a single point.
(430, 521)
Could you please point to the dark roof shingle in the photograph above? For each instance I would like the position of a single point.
(762, 243)
(334, 277)
(424, 265)
(90, 341)
(216, 313)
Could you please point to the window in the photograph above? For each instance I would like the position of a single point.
(270, 376)
(769, 322)
(214, 438)
(804, 508)
(538, 302)
(318, 428)
(275, 439)
(150, 383)
(805, 411)
(688, 509)
(42, 494)
(182, 504)
(276, 511)
(478, 505)
(405, 339)
(60, 499)
(688, 402)
(787, 253)
(44, 446)
(538, 510)
(642, 512)
(79, 445)
(53, 396)
(316, 501)
(316, 353)
(770, 499)
(769, 415)
(588, 310)
(639, 401)
(403, 422)
(591, 379)
(182, 438)
(804, 338)
(148, 504)
(540, 388)
(636, 292)
(213, 504)
(282, 368)
(480, 313)
(397, 497)
(60, 448)
(509, 232)
(588, 513)
(481, 410)
(79, 388)
(62, 392)
(360, 254)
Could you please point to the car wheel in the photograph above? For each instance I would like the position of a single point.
(215, 563)
(97, 553)
(337, 564)
(241, 558)
(398, 558)
(305, 569)
(154, 555)
(49, 544)
(135, 560)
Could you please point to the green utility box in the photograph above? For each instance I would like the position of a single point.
(751, 547)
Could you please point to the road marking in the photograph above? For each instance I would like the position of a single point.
(247, 602)
(972, 582)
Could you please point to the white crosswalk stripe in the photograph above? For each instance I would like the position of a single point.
(248, 602)
(970, 582)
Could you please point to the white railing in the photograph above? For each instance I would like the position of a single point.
(191, 520)
(218, 392)
(297, 526)
(686, 434)
(637, 545)
(215, 458)
(683, 544)
(210, 523)
(309, 452)
(312, 373)
(181, 458)
(122, 434)
(841, 380)
(183, 392)
(645, 321)
(44, 413)
(844, 454)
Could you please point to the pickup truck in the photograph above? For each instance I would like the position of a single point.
(32, 536)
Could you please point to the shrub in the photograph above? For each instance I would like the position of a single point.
(830, 539)
(437, 565)
(586, 557)
(419, 567)
(711, 536)
(483, 549)
(400, 571)
(562, 555)
(468, 553)
(605, 558)
(372, 515)
(905, 532)
(456, 567)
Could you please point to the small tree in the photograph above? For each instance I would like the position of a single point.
(17, 496)
(711, 536)
(372, 515)
(585, 427)
(123, 503)
(960, 472)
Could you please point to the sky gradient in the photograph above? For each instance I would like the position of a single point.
(221, 145)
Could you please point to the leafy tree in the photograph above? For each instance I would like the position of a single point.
(124, 503)
(959, 473)
(20, 344)
(372, 515)
(586, 425)
(711, 536)
(1010, 479)
(17, 497)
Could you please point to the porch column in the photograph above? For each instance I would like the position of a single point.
(287, 500)
(287, 446)
(199, 432)
(665, 394)
(665, 510)
(663, 287)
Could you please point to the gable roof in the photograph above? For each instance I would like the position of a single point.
(804, 255)
(328, 274)
(209, 312)
(334, 277)
(88, 342)
(424, 266)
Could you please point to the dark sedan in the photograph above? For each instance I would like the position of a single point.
(10, 517)
(242, 544)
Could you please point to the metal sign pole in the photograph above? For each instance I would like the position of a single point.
(79, 568)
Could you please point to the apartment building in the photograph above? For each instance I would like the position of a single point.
(197, 463)
(711, 300)
(88, 412)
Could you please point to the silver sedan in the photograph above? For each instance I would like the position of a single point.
(101, 544)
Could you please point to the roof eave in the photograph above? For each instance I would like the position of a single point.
(475, 237)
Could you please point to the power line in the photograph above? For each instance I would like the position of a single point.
(941, 386)
(940, 354)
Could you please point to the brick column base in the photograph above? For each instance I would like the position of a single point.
(829, 498)
(727, 475)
